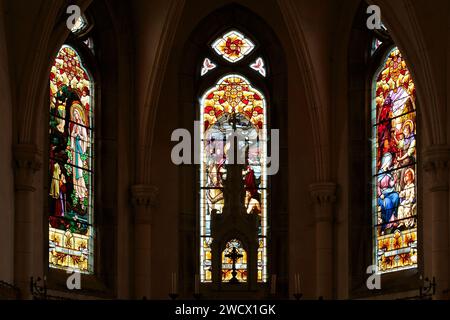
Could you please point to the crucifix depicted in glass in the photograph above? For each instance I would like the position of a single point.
(233, 105)
(234, 262)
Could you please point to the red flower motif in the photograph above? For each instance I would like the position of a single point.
(390, 261)
(219, 113)
(208, 109)
(258, 109)
(233, 47)
(60, 256)
(384, 245)
(75, 259)
(405, 258)
(397, 241)
(409, 238)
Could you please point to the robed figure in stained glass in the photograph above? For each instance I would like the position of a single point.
(79, 141)
(388, 198)
(394, 165)
(71, 167)
(233, 107)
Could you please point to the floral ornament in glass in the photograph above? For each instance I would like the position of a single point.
(207, 66)
(233, 46)
(259, 66)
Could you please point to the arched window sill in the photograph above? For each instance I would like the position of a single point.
(394, 283)
(92, 286)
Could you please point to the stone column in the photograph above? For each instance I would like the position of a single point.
(143, 198)
(26, 164)
(436, 163)
(324, 196)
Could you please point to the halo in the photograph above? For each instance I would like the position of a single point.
(410, 124)
(77, 106)
(413, 175)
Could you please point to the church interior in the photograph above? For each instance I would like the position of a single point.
(218, 150)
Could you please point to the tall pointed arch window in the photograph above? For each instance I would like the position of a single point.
(394, 165)
(229, 187)
(71, 159)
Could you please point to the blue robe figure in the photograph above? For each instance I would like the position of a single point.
(388, 199)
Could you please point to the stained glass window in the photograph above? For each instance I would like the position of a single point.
(394, 165)
(71, 165)
(207, 66)
(232, 104)
(234, 247)
(233, 46)
(80, 25)
(90, 44)
(259, 66)
(376, 43)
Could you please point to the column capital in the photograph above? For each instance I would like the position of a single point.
(143, 198)
(323, 195)
(144, 195)
(436, 160)
(27, 161)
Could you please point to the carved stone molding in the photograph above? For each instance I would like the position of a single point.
(26, 163)
(143, 198)
(436, 164)
(144, 195)
(323, 196)
(317, 111)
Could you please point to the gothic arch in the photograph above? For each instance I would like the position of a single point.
(401, 20)
(52, 30)
(317, 102)
(114, 103)
(363, 65)
(32, 136)
(149, 109)
(423, 55)
(275, 90)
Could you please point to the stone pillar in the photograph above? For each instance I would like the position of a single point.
(143, 198)
(26, 164)
(324, 196)
(436, 163)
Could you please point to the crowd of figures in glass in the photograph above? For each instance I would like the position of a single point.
(394, 165)
(233, 107)
(71, 163)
